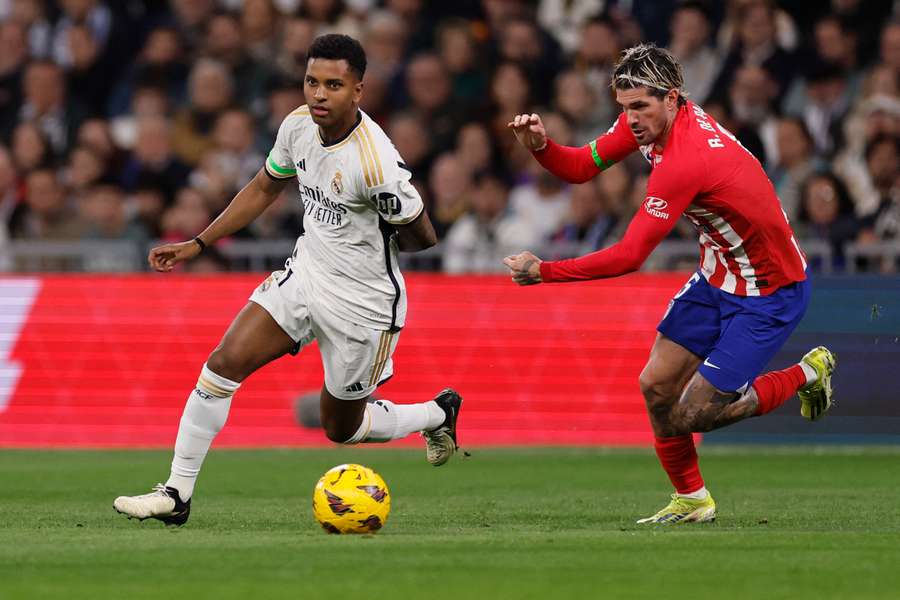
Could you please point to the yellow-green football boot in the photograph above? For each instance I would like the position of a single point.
(684, 510)
(815, 398)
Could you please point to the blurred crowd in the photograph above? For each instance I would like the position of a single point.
(139, 120)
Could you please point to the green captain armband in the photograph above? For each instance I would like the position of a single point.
(278, 171)
(601, 164)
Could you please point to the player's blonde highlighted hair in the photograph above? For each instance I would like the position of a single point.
(649, 66)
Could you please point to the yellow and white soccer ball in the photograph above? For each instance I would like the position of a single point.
(351, 499)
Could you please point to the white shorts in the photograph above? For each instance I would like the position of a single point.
(356, 358)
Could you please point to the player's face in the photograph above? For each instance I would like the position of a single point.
(648, 116)
(332, 91)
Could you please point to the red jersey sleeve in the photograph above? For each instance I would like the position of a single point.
(577, 165)
(670, 191)
(614, 145)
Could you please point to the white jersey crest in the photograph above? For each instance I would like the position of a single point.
(353, 192)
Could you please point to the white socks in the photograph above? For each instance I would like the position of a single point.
(384, 421)
(810, 373)
(204, 416)
(700, 494)
(207, 409)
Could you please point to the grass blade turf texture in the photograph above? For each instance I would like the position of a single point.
(536, 523)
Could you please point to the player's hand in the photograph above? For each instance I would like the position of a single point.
(524, 268)
(529, 130)
(164, 258)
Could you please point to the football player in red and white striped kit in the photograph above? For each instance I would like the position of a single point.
(748, 294)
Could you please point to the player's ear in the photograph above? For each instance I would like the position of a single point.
(672, 99)
(357, 91)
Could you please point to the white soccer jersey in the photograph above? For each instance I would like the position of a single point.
(352, 192)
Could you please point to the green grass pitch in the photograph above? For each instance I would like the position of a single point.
(537, 523)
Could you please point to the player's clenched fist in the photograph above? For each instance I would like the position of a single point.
(524, 268)
(529, 130)
(164, 258)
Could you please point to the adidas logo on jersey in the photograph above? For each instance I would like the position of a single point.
(301, 165)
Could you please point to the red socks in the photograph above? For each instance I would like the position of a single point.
(679, 458)
(774, 388)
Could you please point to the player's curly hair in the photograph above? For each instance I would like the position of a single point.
(336, 46)
(649, 66)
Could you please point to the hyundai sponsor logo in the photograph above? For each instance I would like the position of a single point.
(655, 206)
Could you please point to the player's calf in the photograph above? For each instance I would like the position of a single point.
(722, 409)
(701, 407)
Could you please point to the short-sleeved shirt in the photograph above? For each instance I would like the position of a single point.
(353, 191)
(747, 247)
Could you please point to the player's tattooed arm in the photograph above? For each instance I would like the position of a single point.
(248, 204)
(416, 235)
(524, 268)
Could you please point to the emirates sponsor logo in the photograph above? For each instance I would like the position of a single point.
(655, 206)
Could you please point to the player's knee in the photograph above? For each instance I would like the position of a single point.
(336, 431)
(228, 364)
(647, 384)
(654, 389)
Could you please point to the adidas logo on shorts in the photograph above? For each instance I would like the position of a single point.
(356, 387)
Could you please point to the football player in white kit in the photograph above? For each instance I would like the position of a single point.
(341, 286)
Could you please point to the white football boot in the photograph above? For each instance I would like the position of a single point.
(440, 442)
(162, 503)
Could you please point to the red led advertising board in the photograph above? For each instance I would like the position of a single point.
(108, 361)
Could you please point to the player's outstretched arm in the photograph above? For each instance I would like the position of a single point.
(248, 204)
(417, 235)
(669, 192)
(574, 165)
(524, 268)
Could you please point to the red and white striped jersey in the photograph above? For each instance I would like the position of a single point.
(747, 247)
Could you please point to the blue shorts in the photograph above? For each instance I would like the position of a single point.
(735, 335)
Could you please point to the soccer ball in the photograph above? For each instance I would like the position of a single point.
(351, 499)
